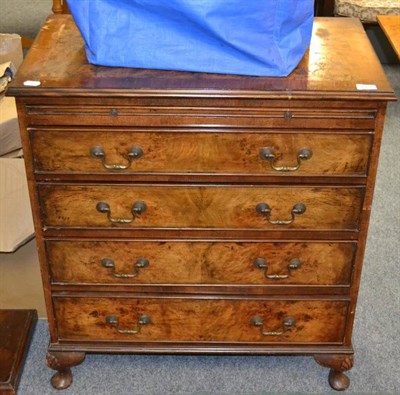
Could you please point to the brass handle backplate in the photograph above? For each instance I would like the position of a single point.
(113, 320)
(268, 154)
(287, 324)
(134, 152)
(138, 208)
(140, 264)
(261, 263)
(265, 209)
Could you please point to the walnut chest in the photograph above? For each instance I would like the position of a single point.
(196, 213)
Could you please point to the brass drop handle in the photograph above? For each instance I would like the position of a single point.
(261, 263)
(140, 264)
(113, 320)
(134, 152)
(138, 208)
(268, 154)
(287, 324)
(264, 209)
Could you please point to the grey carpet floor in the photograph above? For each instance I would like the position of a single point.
(375, 339)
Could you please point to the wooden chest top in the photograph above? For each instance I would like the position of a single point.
(332, 67)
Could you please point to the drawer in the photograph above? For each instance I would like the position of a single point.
(200, 320)
(171, 152)
(177, 262)
(200, 207)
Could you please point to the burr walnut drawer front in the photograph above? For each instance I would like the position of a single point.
(200, 320)
(214, 262)
(203, 207)
(165, 151)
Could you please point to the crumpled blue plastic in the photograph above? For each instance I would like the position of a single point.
(247, 37)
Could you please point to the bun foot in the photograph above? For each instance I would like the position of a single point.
(62, 362)
(62, 380)
(338, 380)
(338, 364)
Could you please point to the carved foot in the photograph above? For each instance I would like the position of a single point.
(62, 362)
(338, 364)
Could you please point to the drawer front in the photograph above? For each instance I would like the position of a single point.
(77, 151)
(176, 262)
(200, 320)
(207, 207)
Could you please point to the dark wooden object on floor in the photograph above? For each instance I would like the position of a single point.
(198, 213)
(16, 328)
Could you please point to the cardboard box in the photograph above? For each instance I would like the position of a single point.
(16, 225)
(10, 139)
(11, 49)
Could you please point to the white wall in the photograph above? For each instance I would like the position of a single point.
(24, 17)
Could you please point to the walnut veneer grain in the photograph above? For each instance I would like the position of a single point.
(177, 262)
(199, 152)
(213, 206)
(199, 320)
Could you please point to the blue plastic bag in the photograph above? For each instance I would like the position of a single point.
(249, 37)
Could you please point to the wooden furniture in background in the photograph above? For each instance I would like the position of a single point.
(324, 7)
(390, 25)
(16, 328)
(26, 42)
(60, 7)
(366, 11)
(197, 213)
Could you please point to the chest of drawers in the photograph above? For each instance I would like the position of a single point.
(193, 213)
